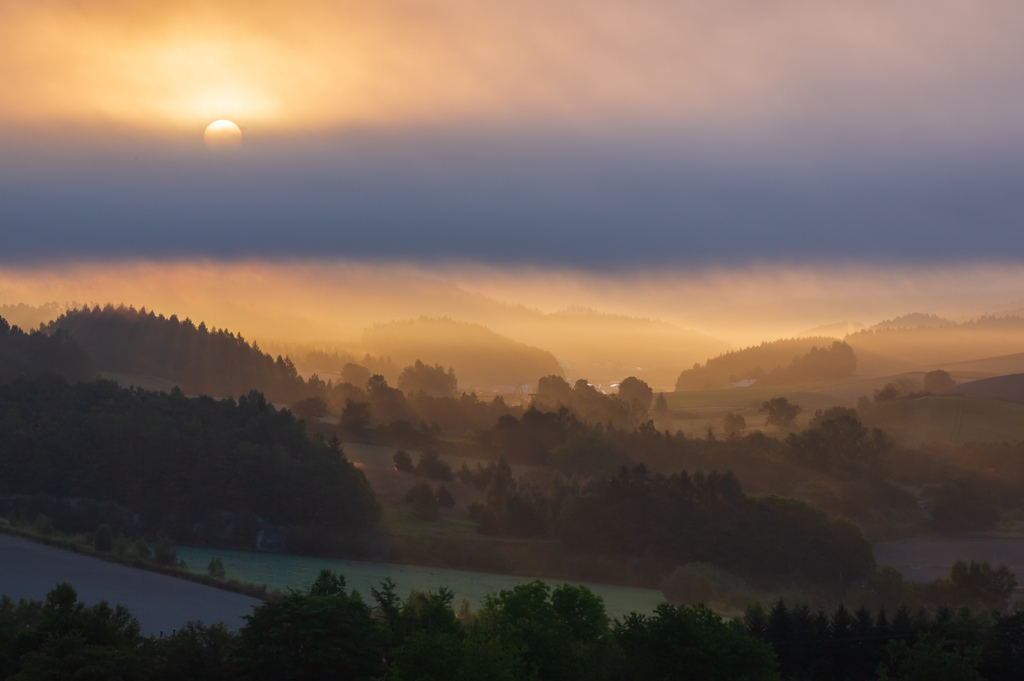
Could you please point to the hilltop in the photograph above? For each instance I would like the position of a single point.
(788, 360)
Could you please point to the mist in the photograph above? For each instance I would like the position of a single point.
(599, 327)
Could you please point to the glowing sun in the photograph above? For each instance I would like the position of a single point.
(222, 136)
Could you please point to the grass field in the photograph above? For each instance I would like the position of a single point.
(284, 572)
(933, 419)
(695, 411)
(947, 419)
(398, 521)
(159, 602)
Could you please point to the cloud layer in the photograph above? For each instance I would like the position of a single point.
(595, 135)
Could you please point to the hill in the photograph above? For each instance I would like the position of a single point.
(788, 360)
(201, 361)
(947, 419)
(914, 320)
(1010, 388)
(889, 348)
(29, 354)
(989, 366)
(481, 358)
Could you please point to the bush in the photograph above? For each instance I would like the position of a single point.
(165, 554)
(937, 380)
(424, 502)
(43, 525)
(122, 545)
(403, 462)
(433, 467)
(103, 540)
(216, 568)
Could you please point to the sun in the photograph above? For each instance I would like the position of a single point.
(222, 135)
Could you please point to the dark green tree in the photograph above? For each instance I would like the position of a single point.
(680, 642)
(423, 500)
(403, 462)
(320, 633)
(216, 568)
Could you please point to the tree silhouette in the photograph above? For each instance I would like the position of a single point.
(780, 412)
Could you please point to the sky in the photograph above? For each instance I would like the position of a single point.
(598, 143)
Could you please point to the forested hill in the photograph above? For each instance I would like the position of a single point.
(29, 354)
(174, 460)
(201, 361)
(923, 340)
(783, 361)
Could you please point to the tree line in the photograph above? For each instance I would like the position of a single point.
(531, 631)
(30, 354)
(327, 631)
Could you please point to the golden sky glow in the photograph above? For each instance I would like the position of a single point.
(307, 64)
(333, 301)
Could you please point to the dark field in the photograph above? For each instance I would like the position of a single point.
(160, 603)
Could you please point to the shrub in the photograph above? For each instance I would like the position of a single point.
(403, 462)
(423, 500)
(433, 466)
(103, 540)
(216, 568)
(43, 524)
(165, 554)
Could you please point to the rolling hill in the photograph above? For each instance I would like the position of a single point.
(1009, 388)
(947, 419)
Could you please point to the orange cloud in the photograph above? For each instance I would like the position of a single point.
(942, 65)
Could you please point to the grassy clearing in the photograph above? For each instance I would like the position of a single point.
(398, 521)
(693, 412)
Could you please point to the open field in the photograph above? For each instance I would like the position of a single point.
(990, 366)
(947, 419)
(1009, 387)
(933, 419)
(159, 602)
(279, 571)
